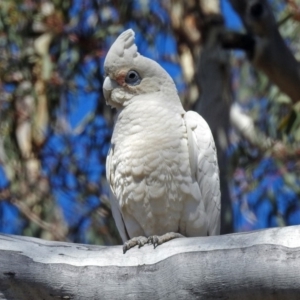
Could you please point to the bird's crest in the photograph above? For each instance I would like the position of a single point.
(124, 47)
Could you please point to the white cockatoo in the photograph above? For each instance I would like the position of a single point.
(162, 165)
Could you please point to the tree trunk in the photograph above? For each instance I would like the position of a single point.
(254, 265)
(214, 82)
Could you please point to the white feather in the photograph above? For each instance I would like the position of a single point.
(162, 166)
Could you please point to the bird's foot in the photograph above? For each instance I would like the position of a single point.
(139, 240)
(156, 240)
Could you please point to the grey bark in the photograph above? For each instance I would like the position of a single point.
(253, 265)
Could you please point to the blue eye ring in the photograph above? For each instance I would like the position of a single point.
(133, 78)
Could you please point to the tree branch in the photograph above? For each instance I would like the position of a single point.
(270, 54)
(51, 228)
(253, 265)
(246, 127)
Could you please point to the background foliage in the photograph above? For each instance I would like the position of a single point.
(55, 127)
(265, 185)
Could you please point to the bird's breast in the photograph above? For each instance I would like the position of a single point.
(150, 150)
(151, 166)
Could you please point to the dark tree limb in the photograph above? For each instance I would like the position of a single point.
(254, 265)
(269, 52)
(214, 81)
(236, 40)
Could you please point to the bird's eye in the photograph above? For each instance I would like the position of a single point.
(133, 78)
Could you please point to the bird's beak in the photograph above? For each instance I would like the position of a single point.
(108, 86)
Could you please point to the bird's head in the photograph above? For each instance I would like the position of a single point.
(129, 74)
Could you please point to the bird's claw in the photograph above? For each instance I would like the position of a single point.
(140, 241)
(154, 240)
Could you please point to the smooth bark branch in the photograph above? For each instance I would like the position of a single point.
(254, 265)
(269, 52)
(246, 127)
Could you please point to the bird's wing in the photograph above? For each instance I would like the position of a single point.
(115, 208)
(204, 166)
